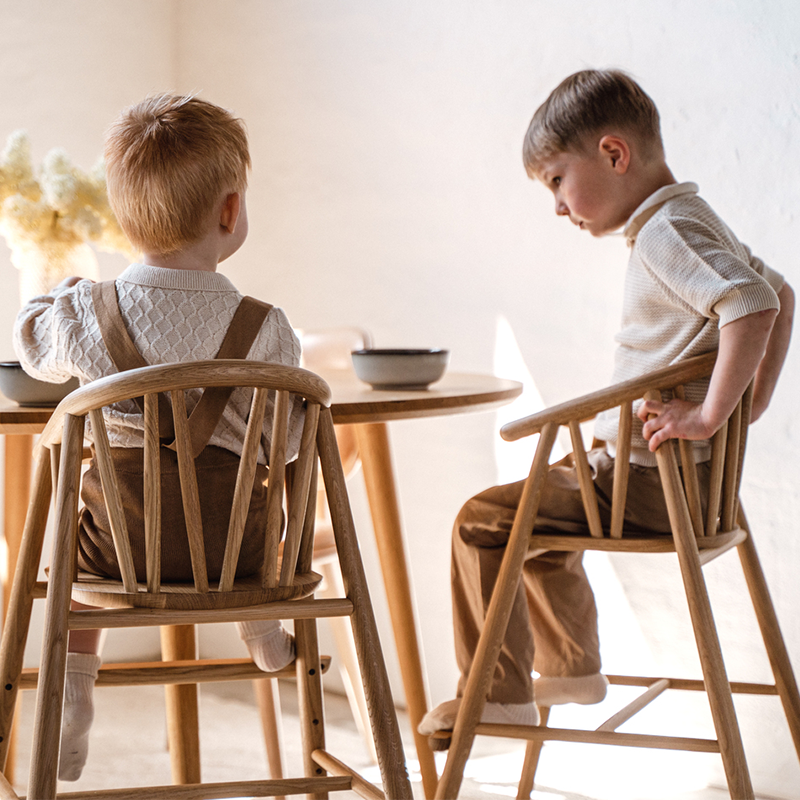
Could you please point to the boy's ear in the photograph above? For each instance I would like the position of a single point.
(617, 151)
(229, 214)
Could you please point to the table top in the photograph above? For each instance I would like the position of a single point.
(353, 401)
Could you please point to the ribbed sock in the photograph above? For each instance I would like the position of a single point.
(270, 646)
(443, 717)
(78, 713)
(584, 689)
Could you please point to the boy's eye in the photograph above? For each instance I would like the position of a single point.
(556, 181)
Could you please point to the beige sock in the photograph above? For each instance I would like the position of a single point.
(443, 717)
(584, 689)
(270, 646)
(78, 713)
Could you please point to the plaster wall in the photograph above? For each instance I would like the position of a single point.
(388, 191)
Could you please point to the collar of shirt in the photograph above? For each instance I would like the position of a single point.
(649, 207)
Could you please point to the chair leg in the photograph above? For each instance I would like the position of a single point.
(50, 694)
(17, 622)
(16, 493)
(533, 751)
(309, 684)
(269, 709)
(348, 660)
(496, 621)
(178, 643)
(382, 714)
(715, 676)
(774, 643)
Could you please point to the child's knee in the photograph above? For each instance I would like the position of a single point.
(482, 524)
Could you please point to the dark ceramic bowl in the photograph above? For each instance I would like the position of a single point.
(24, 390)
(400, 369)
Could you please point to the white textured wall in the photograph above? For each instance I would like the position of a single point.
(388, 191)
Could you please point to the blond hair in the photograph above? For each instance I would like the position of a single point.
(586, 104)
(169, 160)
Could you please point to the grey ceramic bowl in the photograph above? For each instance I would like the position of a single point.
(24, 390)
(400, 369)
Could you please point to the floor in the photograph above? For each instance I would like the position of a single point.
(232, 748)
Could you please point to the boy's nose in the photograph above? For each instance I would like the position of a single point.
(561, 208)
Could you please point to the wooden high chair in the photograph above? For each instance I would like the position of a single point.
(283, 589)
(697, 540)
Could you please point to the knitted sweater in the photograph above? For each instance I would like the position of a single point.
(688, 276)
(171, 315)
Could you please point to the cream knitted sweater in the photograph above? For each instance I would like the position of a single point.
(171, 315)
(688, 276)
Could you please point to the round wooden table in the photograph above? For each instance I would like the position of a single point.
(369, 411)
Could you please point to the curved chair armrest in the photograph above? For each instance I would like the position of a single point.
(589, 405)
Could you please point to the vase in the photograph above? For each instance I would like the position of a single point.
(43, 266)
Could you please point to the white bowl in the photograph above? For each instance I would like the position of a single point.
(400, 369)
(24, 390)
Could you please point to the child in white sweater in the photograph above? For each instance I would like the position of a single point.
(691, 288)
(177, 176)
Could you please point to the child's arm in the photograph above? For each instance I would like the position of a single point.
(754, 345)
(36, 342)
(770, 367)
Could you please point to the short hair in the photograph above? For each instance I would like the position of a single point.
(169, 160)
(589, 102)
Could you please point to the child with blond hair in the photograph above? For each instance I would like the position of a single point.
(177, 177)
(691, 287)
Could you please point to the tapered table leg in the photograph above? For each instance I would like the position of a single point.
(373, 442)
(178, 643)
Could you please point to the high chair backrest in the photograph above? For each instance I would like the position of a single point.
(274, 389)
(727, 452)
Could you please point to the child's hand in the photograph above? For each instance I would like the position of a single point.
(676, 419)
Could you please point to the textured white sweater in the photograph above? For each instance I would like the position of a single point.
(688, 276)
(171, 315)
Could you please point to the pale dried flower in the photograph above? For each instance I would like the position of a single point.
(62, 205)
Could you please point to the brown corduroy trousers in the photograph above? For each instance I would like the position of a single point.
(553, 624)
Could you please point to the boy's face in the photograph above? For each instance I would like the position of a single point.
(587, 188)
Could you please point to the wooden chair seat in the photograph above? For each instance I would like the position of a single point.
(94, 590)
(710, 547)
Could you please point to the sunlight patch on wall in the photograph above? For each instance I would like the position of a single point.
(514, 459)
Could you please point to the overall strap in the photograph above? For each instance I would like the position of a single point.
(239, 338)
(122, 350)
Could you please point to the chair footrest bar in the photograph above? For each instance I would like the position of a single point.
(692, 685)
(143, 617)
(217, 791)
(642, 701)
(542, 734)
(361, 786)
(156, 673)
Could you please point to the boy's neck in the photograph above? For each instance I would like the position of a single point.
(649, 178)
(178, 261)
(200, 256)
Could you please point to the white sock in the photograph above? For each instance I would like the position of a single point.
(443, 717)
(584, 689)
(270, 646)
(78, 713)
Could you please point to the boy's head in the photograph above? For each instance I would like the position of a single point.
(170, 161)
(596, 144)
(584, 107)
